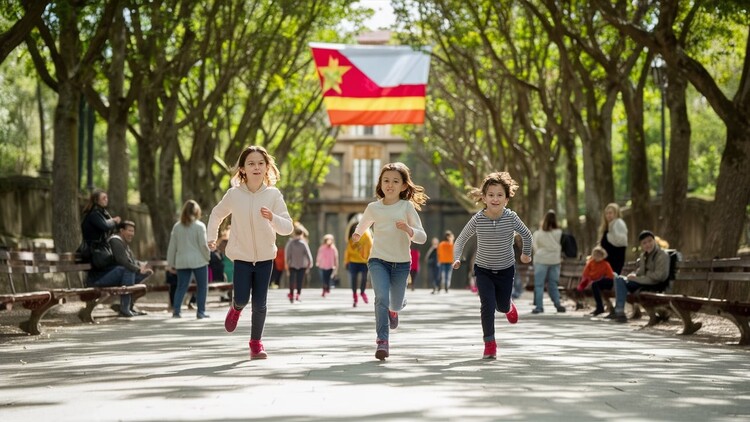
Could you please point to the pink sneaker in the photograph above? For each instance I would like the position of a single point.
(490, 350)
(230, 322)
(512, 314)
(257, 351)
(355, 299)
(382, 350)
(297, 298)
(364, 297)
(393, 319)
(291, 297)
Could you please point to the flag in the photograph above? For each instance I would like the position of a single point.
(372, 85)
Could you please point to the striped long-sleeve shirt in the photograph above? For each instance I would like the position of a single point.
(494, 239)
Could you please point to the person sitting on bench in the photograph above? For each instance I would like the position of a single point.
(124, 271)
(652, 274)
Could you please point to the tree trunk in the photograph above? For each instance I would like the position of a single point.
(117, 120)
(676, 183)
(66, 231)
(639, 186)
(571, 189)
(729, 212)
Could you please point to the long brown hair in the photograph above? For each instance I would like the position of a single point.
(413, 193)
(191, 211)
(93, 201)
(550, 221)
(272, 172)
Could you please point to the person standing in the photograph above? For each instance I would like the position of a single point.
(433, 268)
(355, 261)
(494, 265)
(547, 258)
(259, 213)
(125, 270)
(298, 261)
(414, 269)
(397, 225)
(445, 260)
(188, 256)
(327, 260)
(614, 236)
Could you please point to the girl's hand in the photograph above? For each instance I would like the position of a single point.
(355, 237)
(266, 213)
(211, 245)
(401, 225)
(456, 264)
(525, 258)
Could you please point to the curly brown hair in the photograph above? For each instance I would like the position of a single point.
(495, 178)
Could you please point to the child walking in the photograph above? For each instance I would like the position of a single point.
(258, 214)
(494, 267)
(298, 261)
(397, 224)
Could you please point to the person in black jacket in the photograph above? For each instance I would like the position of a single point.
(124, 270)
(97, 224)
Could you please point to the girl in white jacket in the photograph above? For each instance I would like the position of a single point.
(258, 213)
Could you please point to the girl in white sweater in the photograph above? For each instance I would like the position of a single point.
(547, 258)
(397, 224)
(258, 213)
(188, 256)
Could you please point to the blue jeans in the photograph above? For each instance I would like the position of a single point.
(354, 269)
(389, 284)
(118, 276)
(517, 285)
(446, 271)
(325, 277)
(494, 287)
(253, 278)
(183, 282)
(434, 274)
(551, 274)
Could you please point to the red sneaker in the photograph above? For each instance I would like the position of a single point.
(257, 351)
(393, 319)
(297, 298)
(355, 299)
(382, 350)
(230, 322)
(364, 297)
(512, 315)
(291, 297)
(490, 350)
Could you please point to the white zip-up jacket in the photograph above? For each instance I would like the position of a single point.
(252, 238)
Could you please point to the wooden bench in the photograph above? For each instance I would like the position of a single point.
(40, 301)
(163, 266)
(715, 287)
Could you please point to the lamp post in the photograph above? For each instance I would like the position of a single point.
(659, 69)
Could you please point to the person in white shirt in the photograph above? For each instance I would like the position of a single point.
(547, 258)
(259, 213)
(188, 256)
(396, 225)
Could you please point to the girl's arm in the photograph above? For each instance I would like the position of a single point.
(418, 235)
(281, 220)
(469, 230)
(218, 214)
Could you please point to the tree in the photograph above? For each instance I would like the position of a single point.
(732, 194)
(73, 63)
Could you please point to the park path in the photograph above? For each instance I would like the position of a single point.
(550, 367)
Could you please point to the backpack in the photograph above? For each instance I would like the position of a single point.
(569, 245)
(674, 257)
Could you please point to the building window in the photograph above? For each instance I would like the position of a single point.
(363, 130)
(366, 169)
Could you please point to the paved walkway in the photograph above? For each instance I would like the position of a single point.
(555, 367)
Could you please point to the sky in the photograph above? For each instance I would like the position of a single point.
(383, 13)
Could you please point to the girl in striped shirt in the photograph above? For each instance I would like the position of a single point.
(494, 267)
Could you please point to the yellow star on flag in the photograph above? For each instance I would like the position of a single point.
(333, 75)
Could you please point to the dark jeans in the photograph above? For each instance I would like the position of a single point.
(494, 288)
(325, 275)
(296, 278)
(253, 278)
(356, 268)
(117, 276)
(596, 289)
